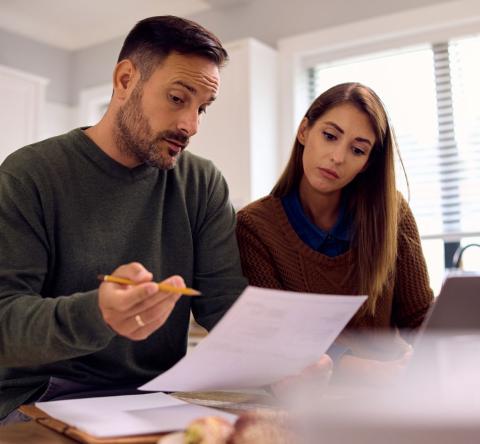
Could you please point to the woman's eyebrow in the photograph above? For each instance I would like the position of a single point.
(340, 130)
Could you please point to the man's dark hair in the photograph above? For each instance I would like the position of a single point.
(151, 40)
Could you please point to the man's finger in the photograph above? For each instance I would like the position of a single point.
(151, 302)
(125, 300)
(143, 328)
(134, 271)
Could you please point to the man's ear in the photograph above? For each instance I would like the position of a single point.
(302, 130)
(125, 77)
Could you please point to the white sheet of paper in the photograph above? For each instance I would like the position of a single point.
(112, 416)
(265, 336)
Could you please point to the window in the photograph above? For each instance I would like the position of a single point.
(431, 93)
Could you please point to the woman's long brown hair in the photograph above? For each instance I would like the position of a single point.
(371, 197)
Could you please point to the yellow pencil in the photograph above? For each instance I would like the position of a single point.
(162, 287)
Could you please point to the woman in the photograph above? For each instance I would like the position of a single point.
(335, 224)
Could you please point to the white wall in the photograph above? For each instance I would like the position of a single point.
(25, 115)
(23, 99)
(38, 59)
(272, 20)
(264, 118)
(239, 132)
(57, 118)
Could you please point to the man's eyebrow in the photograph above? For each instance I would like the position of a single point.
(191, 89)
(186, 86)
(340, 130)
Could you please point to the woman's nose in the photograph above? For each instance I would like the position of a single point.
(338, 153)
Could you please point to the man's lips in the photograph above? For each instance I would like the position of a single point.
(175, 146)
(329, 173)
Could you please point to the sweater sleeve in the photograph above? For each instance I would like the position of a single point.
(36, 328)
(412, 292)
(257, 262)
(218, 273)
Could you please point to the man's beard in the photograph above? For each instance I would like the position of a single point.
(134, 136)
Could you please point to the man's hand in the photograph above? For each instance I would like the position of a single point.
(136, 311)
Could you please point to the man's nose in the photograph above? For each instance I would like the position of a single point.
(188, 123)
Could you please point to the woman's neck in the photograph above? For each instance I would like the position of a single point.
(321, 209)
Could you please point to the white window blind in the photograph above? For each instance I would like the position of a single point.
(432, 95)
(465, 71)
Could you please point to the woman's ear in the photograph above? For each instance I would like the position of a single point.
(302, 131)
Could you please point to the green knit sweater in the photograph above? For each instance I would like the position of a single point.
(68, 212)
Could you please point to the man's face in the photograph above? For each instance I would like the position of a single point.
(163, 112)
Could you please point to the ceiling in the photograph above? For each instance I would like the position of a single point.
(73, 24)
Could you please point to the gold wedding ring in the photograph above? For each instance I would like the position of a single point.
(139, 321)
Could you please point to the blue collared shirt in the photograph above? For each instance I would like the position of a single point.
(331, 243)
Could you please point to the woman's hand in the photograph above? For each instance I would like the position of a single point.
(316, 376)
(357, 370)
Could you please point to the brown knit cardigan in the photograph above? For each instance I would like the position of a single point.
(273, 256)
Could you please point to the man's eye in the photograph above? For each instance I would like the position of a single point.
(176, 99)
(329, 136)
(202, 110)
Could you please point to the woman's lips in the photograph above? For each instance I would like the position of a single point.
(329, 173)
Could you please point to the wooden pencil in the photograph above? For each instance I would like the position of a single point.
(161, 286)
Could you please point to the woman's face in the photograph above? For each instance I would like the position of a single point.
(336, 148)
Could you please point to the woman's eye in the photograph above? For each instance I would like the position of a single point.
(202, 110)
(358, 151)
(329, 136)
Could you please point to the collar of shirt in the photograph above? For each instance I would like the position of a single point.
(333, 242)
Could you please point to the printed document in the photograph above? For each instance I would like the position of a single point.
(265, 336)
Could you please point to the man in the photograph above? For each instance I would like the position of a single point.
(123, 198)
